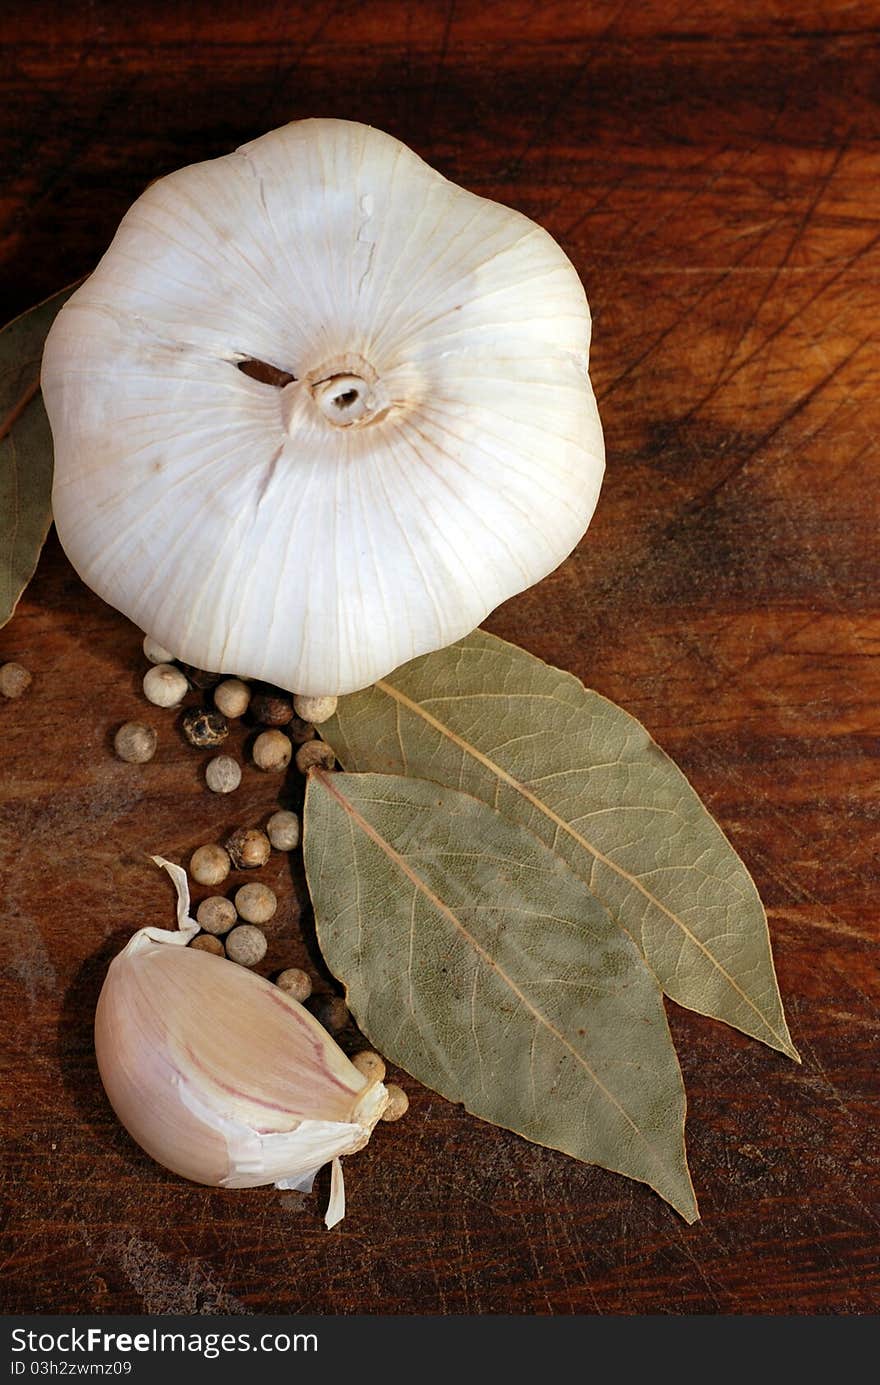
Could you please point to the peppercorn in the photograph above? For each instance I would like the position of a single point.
(246, 945)
(398, 1103)
(296, 982)
(271, 709)
(135, 743)
(256, 903)
(204, 729)
(331, 1011)
(300, 731)
(157, 653)
(248, 848)
(165, 685)
(209, 865)
(200, 678)
(314, 755)
(206, 943)
(272, 751)
(222, 774)
(14, 680)
(371, 1065)
(314, 709)
(216, 914)
(231, 697)
(282, 830)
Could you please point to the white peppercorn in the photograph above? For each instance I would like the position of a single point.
(296, 982)
(256, 903)
(314, 755)
(398, 1103)
(205, 942)
(231, 697)
(282, 830)
(157, 653)
(216, 914)
(209, 865)
(314, 709)
(248, 848)
(371, 1065)
(165, 685)
(135, 743)
(272, 751)
(246, 945)
(14, 680)
(222, 774)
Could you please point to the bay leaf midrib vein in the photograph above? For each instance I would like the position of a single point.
(29, 393)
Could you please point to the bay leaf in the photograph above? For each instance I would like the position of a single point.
(25, 450)
(473, 958)
(488, 718)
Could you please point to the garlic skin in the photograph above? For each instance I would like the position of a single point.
(430, 446)
(221, 1076)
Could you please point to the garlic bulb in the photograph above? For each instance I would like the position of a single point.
(319, 410)
(221, 1076)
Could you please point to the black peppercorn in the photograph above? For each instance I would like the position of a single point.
(200, 678)
(300, 731)
(331, 1011)
(203, 728)
(271, 709)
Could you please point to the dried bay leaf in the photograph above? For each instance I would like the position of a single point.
(25, 450)
(488, 718)
(472, 958)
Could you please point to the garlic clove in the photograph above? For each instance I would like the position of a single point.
(218, 1074)
(432, 447)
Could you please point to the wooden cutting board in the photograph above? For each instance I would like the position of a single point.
(714, 173)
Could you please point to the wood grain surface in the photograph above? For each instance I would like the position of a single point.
(714, 172)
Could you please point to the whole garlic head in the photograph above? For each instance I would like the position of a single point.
(319, 410)
(221, 1076)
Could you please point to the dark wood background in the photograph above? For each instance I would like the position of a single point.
(714, 172)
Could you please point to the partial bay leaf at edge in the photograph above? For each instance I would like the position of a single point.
(25, 450)
(486, 717)
(471, 958)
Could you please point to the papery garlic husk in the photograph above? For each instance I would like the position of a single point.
(429, 447)
(222, 1077)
